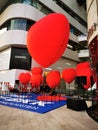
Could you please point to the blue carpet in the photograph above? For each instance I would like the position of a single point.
(29, 102)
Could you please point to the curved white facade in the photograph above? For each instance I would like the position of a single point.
(29, 12)
(22, 11)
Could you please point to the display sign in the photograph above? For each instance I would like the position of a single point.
(20, 59)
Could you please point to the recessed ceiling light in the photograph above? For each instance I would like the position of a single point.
(68, 63)
(59, 68)
(48, 68)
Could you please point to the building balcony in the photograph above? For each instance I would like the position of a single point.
(82, 38)
(83, 53)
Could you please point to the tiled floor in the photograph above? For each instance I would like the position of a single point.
(58, 119)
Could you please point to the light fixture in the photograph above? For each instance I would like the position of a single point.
(48, 68)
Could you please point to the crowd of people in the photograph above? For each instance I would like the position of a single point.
(6, 88)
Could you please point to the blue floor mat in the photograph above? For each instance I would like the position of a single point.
(29, 102)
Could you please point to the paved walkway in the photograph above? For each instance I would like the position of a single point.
(58, 119)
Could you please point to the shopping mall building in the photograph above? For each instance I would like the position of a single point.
(17, 16)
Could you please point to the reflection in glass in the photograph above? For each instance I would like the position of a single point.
(18, 24)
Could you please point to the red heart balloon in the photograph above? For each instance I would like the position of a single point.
(24, 78)
(53, 79)
(69, 74)
(36, 80)
(47, 39)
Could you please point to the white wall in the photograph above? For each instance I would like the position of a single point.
(11, 75)
(8, 76)
(5, 59)
(17, 73)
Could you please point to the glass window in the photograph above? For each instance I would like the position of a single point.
(75, 31)
(34, 3)
(29, 24)
(18, 24)
(26, 2)
(70, 12)
(43, 8)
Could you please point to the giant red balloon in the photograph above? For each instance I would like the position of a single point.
(37, 70)
(47, 39)
(53, 79)
(69, 74)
